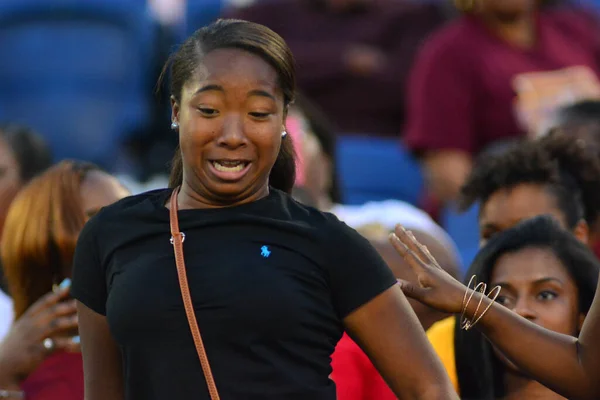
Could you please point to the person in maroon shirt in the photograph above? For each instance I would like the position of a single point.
(493, 76)
(353, 56)
(41, 230)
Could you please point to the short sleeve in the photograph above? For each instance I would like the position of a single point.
(89, 277)
(440, 103)
(357, 273)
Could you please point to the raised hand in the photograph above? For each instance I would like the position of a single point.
(43, 329)
(434, 287)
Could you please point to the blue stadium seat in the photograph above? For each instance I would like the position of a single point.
(202, 12)
(374, 169)
(463, 228)
(77, 71)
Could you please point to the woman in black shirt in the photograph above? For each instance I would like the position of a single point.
(273, 283)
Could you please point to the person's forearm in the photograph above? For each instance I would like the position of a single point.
(432, 392)
(552, 359)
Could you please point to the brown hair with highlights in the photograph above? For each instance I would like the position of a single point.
(41, 230)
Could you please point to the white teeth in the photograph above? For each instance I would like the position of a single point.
(223, 168)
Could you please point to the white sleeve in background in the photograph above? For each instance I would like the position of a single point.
(388, 213)
(6, 314)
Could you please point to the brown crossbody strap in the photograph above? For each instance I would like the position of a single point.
(177, 239)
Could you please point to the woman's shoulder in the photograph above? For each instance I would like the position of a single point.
(135, 203)
(126, 212)
(295, 211)
(453, 35)
(449, 44)
(142, 203)
(324, 223)
(579, 22)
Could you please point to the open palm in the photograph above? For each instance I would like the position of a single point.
(434, 286)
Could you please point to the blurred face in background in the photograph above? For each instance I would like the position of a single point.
(100, 189)
(315, 167)
(507, 207)
(10, 180)
(505, 9)
(343, 5)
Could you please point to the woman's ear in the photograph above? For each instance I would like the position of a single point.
(582, 232)
(174, 110)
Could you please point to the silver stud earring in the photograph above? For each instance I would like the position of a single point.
(174, 125)
(283, 134)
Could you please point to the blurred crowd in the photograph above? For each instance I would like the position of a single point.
(458, 119)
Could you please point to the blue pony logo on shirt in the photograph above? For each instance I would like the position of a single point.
(265, 252)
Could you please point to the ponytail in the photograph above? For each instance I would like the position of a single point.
(283, 173)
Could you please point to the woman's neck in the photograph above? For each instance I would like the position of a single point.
(519, 387)
(192, 198)
(518, 31)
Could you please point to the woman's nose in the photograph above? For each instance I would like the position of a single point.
(232, 133)
(524, 309)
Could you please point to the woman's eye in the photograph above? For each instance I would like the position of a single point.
(503, 300)
(209, 112)
(259, 115)
(547, 295)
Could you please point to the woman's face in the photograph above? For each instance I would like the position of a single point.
(100, 189)
(507, 207)
(231, 119)
(10, 181)
(537, 286)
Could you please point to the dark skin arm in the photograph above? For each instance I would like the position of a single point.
(103, 374)
(569, 366)
(390, 334)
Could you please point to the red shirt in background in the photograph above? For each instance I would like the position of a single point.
(355, 376)
(60, 377)
(596, 249)
(463, 86)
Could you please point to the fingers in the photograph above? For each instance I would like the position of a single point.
(55, 319)
(412, 291)
(68, 344)
(62, 324)
(58, 343)
(51, 298)
(413, 244)
(416, 264)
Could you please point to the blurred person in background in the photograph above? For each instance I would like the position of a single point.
(353, 55)
(495, 75)
(39, 357)
(555, 175)
(547, 276)
(23, 155)
(355, 375)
